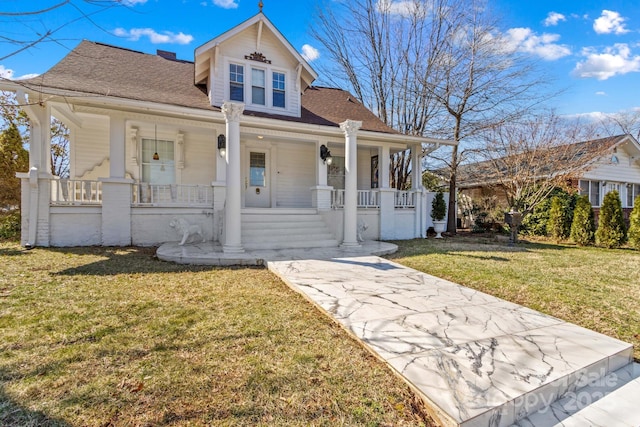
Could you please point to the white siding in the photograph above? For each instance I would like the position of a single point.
(626, 170)
(91, 145)
(295, 175)
(199, 158)
(364, 167)
(235, 49)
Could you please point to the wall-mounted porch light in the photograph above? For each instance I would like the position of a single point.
(325, 155)
(222, 145)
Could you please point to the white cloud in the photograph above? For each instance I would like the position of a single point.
(6, 73)
(226, 4)
(156, 38)
(400, 7)
(610, 22)
(310, 53)
(544, 46)
(601, 93)
(613, 61)
(27, 76)
(594, 116)
(553, 18)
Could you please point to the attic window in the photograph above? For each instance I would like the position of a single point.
(278, 90)
(236, 82)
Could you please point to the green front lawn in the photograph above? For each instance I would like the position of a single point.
(114, 337)
(592, 287)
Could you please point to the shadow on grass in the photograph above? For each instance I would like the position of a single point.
(469, 243)
(12, 252)
(14, 414)
(125, 260)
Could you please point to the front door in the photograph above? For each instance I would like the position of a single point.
(256, 179)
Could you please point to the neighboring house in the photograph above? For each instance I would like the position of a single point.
(238, 142)
(615, 167)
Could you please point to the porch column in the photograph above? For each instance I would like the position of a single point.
(233, 208)
(321, 193)
(387, 197)
(350, 129)
(219, 185)
(36, 184)
(116, 189)
(420, 219)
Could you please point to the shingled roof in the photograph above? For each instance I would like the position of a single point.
(581, 153)
(98, 69)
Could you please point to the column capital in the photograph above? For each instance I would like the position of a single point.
(350, 127)
(232, 111)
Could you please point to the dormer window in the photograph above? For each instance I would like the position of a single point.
(236, 82)
(257, 86)
(278, 90)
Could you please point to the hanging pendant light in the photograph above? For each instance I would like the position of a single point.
(155, 155)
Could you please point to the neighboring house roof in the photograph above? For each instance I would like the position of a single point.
(581, 154)
(97, 69)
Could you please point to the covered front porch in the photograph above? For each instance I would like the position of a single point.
(257, 170)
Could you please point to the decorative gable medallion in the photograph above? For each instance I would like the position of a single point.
(257, 56)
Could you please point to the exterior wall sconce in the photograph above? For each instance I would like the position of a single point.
(325, 155)
(222, 145)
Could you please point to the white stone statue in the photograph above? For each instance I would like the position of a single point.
(362, 227)
(188, 231)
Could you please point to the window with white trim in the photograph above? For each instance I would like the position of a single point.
(162, 170)
(633, 191)
(236, 82)
(257, 87)
(591, 189)
(278, 90)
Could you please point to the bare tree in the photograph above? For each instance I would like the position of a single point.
(430, 66)
(527, 159)
(376, 51)
(627, 122)
(477, 79)
(38, 28)
(60, 154)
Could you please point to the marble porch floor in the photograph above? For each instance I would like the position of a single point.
(476, 359)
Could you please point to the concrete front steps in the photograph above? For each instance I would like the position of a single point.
(285, 229)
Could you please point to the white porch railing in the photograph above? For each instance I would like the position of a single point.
(405, 199)
(76, 192)
(172, 194)
(366, 199)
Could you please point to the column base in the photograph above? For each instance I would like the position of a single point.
(232, 249)
(350, 245)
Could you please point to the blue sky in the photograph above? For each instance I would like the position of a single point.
(591, 48)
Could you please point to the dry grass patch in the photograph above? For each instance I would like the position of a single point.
(114, 337)
(592, 287)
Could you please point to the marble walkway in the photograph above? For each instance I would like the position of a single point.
(478, 360)
(475, 359)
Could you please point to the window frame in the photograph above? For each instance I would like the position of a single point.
(247, 85)
(263, 87)
(275, 90)
(168, 162)
(240, 84)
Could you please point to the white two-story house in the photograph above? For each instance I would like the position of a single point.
(238, 142)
